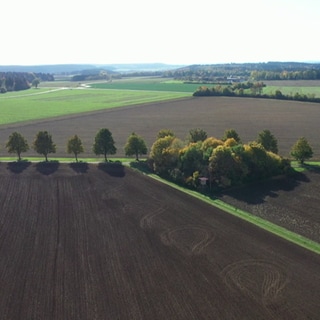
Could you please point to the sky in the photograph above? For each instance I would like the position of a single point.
(37, 32)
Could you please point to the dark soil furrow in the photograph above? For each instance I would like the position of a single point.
(96, 245)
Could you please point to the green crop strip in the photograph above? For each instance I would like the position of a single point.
(150, 86)
(287, 90)
(61, 102)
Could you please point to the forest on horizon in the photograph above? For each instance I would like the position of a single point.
(15, 78)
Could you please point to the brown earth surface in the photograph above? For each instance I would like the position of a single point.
(105, 242)
(291, 202)
(287, 120)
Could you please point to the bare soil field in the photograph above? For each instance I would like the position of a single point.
(291, 202)
(287, 120)
(105, 242)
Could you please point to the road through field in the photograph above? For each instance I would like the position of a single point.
(104, 242)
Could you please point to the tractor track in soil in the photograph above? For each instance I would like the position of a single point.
(119, 245)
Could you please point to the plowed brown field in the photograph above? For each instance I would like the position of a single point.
(96, 242)
(291, 202)
(287, 120)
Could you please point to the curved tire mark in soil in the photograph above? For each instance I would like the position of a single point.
(273, 278)
(190, 239)
(112, 192)
(148, 220)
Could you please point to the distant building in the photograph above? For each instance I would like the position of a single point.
(232, 79)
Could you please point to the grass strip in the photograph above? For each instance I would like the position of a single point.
(64, 159)
(291, 90)
(257, 221)
(308, 165)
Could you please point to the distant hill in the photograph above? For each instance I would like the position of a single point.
(53, 69)
(15, 81)
(79, 68)
(272, 70)
(141, 67)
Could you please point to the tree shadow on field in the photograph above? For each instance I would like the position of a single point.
(18, 166)
(257, 192)
(114, 169)
(142, 166)
(79, 167)
(47, 168)
(312, 168)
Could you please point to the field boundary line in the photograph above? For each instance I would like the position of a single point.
(34, 94)
(246, 216)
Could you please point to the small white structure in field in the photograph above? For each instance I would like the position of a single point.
(203, 180)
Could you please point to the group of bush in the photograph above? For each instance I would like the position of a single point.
(223, 162)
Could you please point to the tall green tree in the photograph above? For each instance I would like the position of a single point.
(17, 144)
(75, 146)
(43, 144)
(196, 135)
(35, 82)
(192, 159)
(165, 132)
(268, 141)
(260, 162)
(231, 133)
(135, 146)
(301, 150)
(165, 154)
(104, 143)
(208, 145)
(223, 167)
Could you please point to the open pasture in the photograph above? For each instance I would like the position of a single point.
(303, 87)
(292, 90)
(49, 103)
(151, 84)
(287, 120)
(104, 242)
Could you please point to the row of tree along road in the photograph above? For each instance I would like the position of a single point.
(103, 144)
(223, 162)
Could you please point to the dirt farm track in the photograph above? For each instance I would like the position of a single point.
(105, 242)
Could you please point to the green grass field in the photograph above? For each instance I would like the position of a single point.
(45, 103)
(150, 84)
(59, 98)
(291, 90)
(162, 84)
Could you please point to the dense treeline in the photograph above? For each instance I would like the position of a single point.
(247, 71)
(94, 74)
(310, 74)
(222, 162)
(16, 81)
(251, 89)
